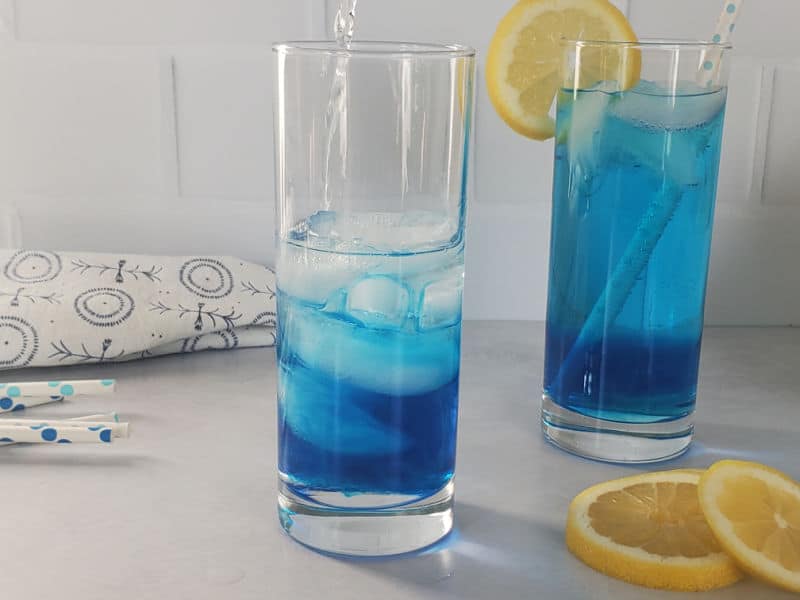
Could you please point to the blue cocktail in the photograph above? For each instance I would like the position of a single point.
(633, 206)
(372, 142)
(369, 358)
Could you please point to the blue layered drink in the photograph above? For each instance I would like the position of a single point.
(633, 206)
(368, 358)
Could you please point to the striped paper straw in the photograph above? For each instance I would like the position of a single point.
(709, 63)
(117, 429)
(102, 418)
(37, 389)
(55, 435)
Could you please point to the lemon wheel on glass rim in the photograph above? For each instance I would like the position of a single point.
(523, 65)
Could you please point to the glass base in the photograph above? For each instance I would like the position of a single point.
(367, 532)
(613, 441)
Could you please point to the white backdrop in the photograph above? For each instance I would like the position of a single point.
(145, 126)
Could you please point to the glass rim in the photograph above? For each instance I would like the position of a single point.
(367, 48)
(651, 43)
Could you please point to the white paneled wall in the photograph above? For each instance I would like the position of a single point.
(168, 22)
(145, 126)
(224, 125)
(79, 123)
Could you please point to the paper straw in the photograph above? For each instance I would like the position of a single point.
(111, 417)
(103, 418)
(709, 63)
(34, 389)
(650, 229)
(117, 429)
(53, 435)
(8, 404)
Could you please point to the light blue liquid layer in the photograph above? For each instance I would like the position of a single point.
(618, 171)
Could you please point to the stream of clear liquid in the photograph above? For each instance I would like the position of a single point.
(336, 113)
(345, 22)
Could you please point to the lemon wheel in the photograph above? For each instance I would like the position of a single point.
(649, 530)
(523, 66)
(754, 512)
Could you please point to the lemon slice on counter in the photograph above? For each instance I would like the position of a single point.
(649, 530)
(524, 63)
(754, 512)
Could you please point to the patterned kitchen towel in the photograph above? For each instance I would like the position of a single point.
(70, 308)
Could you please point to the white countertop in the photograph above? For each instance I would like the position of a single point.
(186, 507)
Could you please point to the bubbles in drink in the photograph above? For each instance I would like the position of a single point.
(589, 120)
(684, 107)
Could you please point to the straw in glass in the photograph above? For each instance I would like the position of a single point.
(709, 63)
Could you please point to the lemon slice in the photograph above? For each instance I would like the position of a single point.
(523, 66)
(649, 530)
(754, 512)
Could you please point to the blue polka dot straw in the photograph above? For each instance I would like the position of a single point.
(61, 432)
(110, 418)
(9, 404)
(709, 64)
(37, 393)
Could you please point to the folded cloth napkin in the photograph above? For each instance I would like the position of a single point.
(69, 308)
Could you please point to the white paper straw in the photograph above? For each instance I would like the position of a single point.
(55, 435)
(37, 389)
(710, 61)
(102, 418)
(117, 429)
(8, 404)
(111, 417)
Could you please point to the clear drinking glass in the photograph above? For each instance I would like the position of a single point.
(636, 164)
(371, 151)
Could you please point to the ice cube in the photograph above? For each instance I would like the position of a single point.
(585, 124)
(379, 302)
(683, 108)
(315, 276)
(343, 427)
(393, 362)
(375, 232)
(673, 151)
(581, 127)
(440, 302)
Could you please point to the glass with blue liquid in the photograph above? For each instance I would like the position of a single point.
(635, 184)
(372, 145)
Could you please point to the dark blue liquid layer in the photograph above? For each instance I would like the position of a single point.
(636, 361)
(626, 378)
(367, 442)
